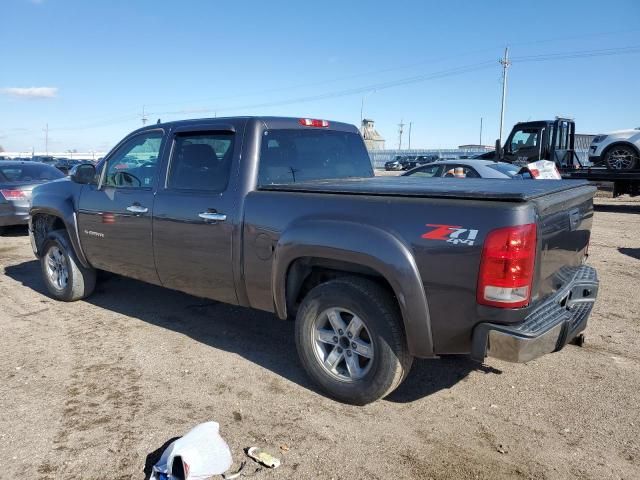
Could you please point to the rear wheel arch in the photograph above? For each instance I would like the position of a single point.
(305, 273)
(335, 248)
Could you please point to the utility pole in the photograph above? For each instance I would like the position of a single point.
(504, 61)
(46, 139)
(400, 131)
(144, 116)
(480, 131)
(410, 123)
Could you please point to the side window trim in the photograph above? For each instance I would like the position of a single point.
(124, 141)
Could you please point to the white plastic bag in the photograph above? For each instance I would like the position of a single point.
(544, 170)
(200, 454)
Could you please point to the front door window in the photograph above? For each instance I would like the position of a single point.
(134, 164)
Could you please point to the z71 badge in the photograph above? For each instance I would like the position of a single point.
(451, 233)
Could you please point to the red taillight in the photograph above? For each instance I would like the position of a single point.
(311, 122)
(13, 194)
(506, 268)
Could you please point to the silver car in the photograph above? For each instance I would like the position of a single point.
(17, 180)
(472, 168)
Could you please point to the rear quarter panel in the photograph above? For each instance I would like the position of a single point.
(448, 270)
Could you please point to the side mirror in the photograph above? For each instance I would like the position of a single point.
(84, 173)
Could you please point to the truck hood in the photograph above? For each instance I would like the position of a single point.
(480, 189)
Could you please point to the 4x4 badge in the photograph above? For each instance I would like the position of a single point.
(451, 233)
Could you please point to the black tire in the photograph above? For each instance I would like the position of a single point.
(80, 281)
(621, 157)
(2, 230)
(376, 308)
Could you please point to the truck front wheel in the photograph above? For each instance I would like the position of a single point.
(65, 277)
(350, 340)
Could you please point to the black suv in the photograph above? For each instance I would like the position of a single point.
(408, 162)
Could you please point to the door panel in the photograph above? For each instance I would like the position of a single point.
(193, 217)
(114, 217)
(113, 238)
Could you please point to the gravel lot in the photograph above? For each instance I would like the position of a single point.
(93, 389)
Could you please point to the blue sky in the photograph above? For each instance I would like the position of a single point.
(87, 67)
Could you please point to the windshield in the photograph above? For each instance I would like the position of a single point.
(29, 172)
(290, 156)
(506, 168)
(524, 138)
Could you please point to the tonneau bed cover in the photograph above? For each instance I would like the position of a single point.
(469, 188)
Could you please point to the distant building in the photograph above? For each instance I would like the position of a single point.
(372, 139)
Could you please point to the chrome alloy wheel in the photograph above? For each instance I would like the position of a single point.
(56, 268)
(342, 344)
(621, 159)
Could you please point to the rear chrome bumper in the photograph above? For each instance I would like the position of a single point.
(548, 328)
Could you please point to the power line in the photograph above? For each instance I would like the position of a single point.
(578, 54)
(418, 78)
(402, 67)
(376, 86)
(347, 92)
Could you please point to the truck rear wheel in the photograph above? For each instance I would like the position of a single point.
(621, 157)
(350, 340)
(65, 277)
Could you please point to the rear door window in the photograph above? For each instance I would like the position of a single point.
(290, 156)
(201, 161)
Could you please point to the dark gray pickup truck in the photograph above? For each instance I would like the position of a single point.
(285, 215)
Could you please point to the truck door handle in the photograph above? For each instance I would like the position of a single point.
(137, 209)
(218, 217)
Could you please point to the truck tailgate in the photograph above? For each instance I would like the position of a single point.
(564, 229)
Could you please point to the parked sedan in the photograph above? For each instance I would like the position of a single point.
(395, 164)
(66, 164)
(466, 169)
(17, 180)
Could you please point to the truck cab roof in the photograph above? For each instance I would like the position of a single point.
(268, 121)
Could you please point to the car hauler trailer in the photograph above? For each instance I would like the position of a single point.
(555, 140)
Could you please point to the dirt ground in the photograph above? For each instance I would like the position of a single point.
(94, 389)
